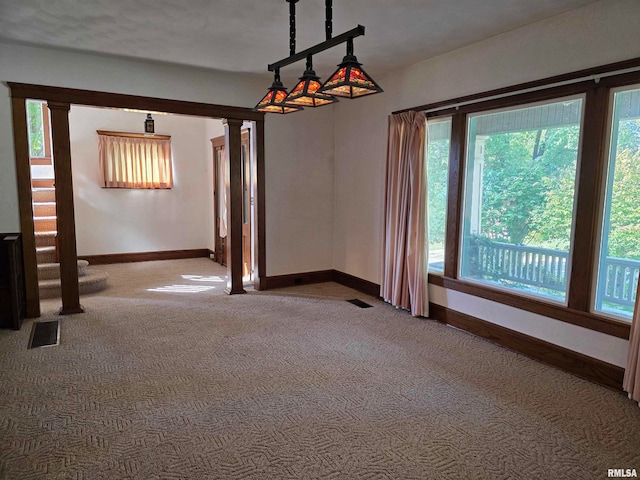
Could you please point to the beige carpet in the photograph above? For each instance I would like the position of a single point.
(165, 378)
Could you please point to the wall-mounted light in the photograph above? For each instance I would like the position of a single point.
(148, 124)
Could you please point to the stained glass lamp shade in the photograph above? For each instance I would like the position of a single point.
(273, 101)
(350, 80)
(305, 92)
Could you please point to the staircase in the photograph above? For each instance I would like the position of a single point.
(44, 221)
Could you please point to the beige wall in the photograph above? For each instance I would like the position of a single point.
(299, 201)
(598, 34)
(113, 220)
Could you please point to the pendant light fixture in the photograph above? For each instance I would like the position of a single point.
(349, 81)
(305, 93)
(273, 101)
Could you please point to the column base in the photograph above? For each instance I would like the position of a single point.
(234, 291)
(71, 310)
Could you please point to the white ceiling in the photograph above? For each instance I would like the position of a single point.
(246, 35)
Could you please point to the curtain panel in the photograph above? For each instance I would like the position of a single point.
(631, 382)
(128, 162)
(404, 277)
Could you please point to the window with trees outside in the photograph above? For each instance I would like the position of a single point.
(38, 128)
(518, 198)
(437, 155)
(619, 256)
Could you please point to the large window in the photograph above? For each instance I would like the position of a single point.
(438, 140)
(519, 186)
(619, 258)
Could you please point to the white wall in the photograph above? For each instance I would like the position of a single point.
(299, 194)
(598, 34)
(112, 220)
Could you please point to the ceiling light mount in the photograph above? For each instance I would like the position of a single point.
(348, 81)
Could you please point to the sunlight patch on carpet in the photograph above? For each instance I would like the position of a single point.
(182, 288)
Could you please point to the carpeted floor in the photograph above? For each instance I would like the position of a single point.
(165, 378)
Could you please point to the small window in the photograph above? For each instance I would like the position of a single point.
(38, 128)
(135, 161)
(619, 259)
(438, 140)
(519, 188)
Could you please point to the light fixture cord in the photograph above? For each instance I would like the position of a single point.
(350, 46)
(328, 23)
(292, 26)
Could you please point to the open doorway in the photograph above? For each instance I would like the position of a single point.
(59, 101)
(221, 200)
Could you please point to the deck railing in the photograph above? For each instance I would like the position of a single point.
(621, 282)
(547, 268)
(538, 267)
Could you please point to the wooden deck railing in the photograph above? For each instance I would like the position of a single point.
(538, 267)
(621, 282)
(547, 268)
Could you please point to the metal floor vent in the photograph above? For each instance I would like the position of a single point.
(359, 303)
(45, 334)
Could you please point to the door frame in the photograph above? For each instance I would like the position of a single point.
(20, 92)
(218, 143)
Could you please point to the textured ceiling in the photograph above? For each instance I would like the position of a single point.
(246, 35)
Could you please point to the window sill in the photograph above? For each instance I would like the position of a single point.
(559, 312)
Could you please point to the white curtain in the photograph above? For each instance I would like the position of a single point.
(223, 188)
(127, 162)
(404, 277)
(631, 383)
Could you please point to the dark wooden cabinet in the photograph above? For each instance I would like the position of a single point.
(12, 289)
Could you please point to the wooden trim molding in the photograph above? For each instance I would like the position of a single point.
(359, 284)
(260, 249)
(233, 145)
(65, 218)
(25, 206)
(145, 256)
(153, 136)
(296, 279)
(515, 89)
(118, 100)
(558, 312)
(581, 365)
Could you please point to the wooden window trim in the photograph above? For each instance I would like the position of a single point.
(591, 165)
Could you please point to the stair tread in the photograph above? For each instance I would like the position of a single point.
(56, 264)
(92, 276)
(42, 234)
(43, 203)
(45, 217)
(46, 249)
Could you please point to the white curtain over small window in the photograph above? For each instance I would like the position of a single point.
(135, 162)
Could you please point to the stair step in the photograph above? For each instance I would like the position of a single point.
(43, 194)
(46, 255)
(46, 239)
(93, 281)
(45, 224)
(49, 271)
(44, 209)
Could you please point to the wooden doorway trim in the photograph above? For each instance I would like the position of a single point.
(20, 92)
